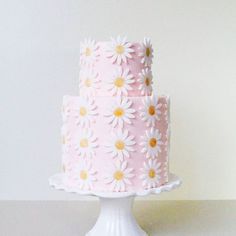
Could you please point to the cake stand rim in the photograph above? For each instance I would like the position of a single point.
(173, 183)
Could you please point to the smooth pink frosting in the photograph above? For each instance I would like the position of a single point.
(103, 161)
(104, 67)
(100, 89)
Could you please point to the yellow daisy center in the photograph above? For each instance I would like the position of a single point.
(120, 49)
(82, 111)
(118, 112)
(83, 175)
(88, 52)
(148, 52)
(153, 142)
(120, 145)
(118, 175)
(88, 82)
(84, 143)
(151, 110)
(119, 82)
(152, 173)
(147, 81)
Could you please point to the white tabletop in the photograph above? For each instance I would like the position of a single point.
(75, 218)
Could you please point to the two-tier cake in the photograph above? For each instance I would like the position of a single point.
(116, 133)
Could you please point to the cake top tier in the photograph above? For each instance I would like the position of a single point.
(115, 68)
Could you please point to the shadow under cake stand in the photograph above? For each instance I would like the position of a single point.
(115, 218)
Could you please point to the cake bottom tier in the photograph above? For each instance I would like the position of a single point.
(115, 144)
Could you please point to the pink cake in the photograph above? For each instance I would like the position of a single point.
(116, 133)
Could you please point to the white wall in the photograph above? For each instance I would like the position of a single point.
(195, 64)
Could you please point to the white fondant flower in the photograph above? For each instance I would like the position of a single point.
(66, 166)
(120, 112)
(85, 174)
(119, 176)
(151, 143)
(150, 111)
(66, 112)
(145, 79)
(120, 144)
(66, 140)
(146, 52)
(119, 50)
(120, 81)
(150, 174)
(86, 111)
(89, 82)
(88, 51)
(86, 143)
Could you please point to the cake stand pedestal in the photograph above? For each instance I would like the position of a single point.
(116, 218)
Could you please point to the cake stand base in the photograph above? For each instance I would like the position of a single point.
(116, 218)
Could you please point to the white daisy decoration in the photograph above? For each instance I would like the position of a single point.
(150, 112)
(150, 174)
(66, 166)
(66, 112)
(119, 176)
(146, 52)
(120, 82)
(120, 112)
(89, 82)
(145, 80)
(86, 144)
(66, 140)
(88, 51)
(151, 143)
(86, 111)
(85, 175)
(67, 169)
(120, 144)
(119, 50)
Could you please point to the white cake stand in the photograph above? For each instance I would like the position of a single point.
(116, 218)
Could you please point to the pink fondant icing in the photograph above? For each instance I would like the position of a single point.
(97, 66)
(102, 161)
(105, 68)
